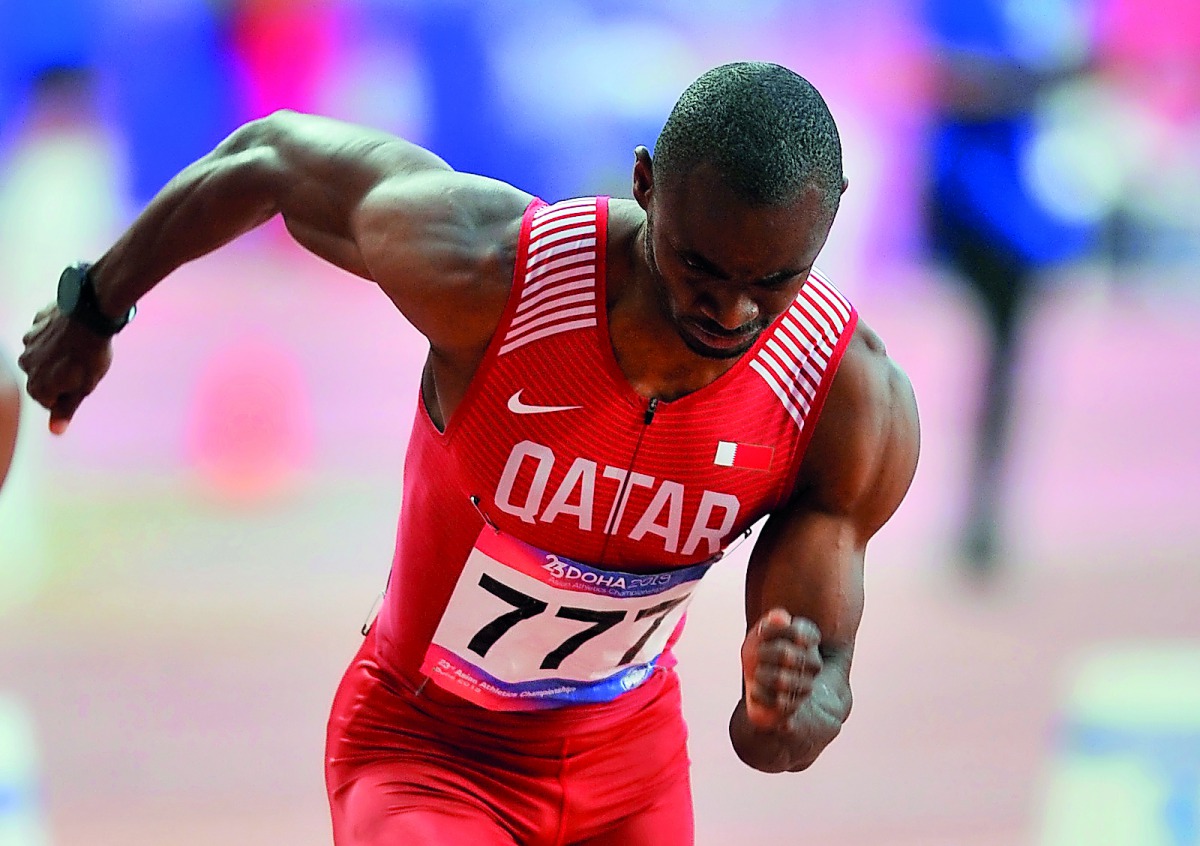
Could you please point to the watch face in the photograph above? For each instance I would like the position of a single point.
(77, 300)
(69, 286)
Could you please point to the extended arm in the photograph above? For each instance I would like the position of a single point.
(804, 585)
(370, 203)
(314, 172)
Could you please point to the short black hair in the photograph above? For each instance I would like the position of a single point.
(765, 129)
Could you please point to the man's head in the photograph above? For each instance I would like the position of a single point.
(739, 198)
(764, 128)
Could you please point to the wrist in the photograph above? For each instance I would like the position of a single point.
(79, 300)
(112, 292)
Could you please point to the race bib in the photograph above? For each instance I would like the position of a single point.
(526, 630)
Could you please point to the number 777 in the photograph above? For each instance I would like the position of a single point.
(526, 607)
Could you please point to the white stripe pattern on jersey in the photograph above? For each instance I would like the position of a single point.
(796, 355)
(558, 293)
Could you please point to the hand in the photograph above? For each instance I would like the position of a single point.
(64, 362)
(780, 660)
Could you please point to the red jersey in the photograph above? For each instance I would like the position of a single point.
(556, 450)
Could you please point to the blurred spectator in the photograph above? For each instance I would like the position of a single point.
(1002, 205)
(38, 37)
(60, 197)
(1150, 56)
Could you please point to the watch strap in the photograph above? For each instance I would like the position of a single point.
(87, 307)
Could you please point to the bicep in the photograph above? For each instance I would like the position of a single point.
(392, 212)
(323, 170)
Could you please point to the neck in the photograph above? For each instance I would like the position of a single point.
(645, 342)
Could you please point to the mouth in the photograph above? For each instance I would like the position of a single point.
(721, 343)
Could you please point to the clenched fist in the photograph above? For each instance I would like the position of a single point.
(64, 362)
(780, 660)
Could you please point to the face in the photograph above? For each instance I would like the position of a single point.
(724, 270)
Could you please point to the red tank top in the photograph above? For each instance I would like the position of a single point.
(562, 454)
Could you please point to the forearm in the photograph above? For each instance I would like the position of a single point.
(813, 727)
(214, 200)
(314, 171)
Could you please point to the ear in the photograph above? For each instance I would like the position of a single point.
(643, 176)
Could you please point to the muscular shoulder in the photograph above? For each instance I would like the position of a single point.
(863, 453)
(442, 245)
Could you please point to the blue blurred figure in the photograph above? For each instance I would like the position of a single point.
(993, 60)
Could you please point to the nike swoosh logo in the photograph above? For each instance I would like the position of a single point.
(517, 407)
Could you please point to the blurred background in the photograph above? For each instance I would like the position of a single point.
(183, 575)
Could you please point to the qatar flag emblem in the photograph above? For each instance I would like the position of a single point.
(746, 456)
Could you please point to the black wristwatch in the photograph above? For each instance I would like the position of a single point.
(77, 300)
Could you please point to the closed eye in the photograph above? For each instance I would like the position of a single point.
(699, 264)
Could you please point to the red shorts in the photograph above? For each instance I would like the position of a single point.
(408, 768)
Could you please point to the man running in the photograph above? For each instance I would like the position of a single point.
(615, 391)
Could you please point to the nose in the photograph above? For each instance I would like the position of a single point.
(733, 311)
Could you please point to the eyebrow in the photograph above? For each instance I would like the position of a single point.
(712, 269)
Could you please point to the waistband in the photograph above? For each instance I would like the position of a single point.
(653, 705)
